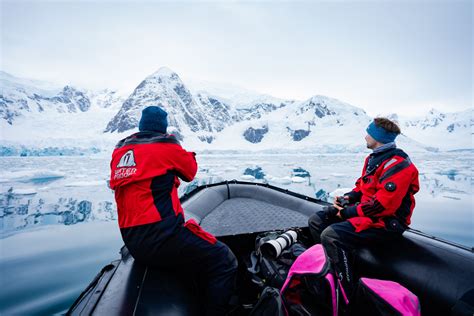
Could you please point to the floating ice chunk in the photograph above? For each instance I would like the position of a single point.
(284, 180)
(25, 191)
(298, 179)
(255, 172)
(339, 192)
(338, 175)
(324, 178)
(230, 169)
(33, 175)
(269, 177)
(247, 177)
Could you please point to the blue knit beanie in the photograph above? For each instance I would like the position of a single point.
(153, 120)
(380, 134)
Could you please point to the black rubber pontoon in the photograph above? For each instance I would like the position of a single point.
(440, 273)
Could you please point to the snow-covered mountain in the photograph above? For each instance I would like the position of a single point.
(23, 97)
(447, 130)
(199, 115)
(38, 115)
(207, 118)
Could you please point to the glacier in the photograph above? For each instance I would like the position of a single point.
(40, 119)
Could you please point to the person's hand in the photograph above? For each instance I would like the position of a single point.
(338, 206)
(338, 203)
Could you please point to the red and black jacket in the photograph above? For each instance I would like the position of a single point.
(385, 191)
(144, 175)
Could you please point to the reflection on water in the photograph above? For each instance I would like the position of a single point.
(58, 218)
(21, 211)
(74, 189)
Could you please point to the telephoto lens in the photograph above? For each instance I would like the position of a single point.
(272, 249)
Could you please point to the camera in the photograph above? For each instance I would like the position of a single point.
(342, 201)
(272, 248)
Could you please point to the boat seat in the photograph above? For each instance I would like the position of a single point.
(138, 290)
(178, 298)
(431, 272)
(239, 209)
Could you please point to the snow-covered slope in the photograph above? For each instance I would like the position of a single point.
(319, 124)
(37, 115)
(448, 131)
(206, 118)
(185, 114)
(201, 115)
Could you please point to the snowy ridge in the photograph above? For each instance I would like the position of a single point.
(61, 120)
(203, 118)
(450, 130)
(24, 98)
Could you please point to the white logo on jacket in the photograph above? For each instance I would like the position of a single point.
(127, 160)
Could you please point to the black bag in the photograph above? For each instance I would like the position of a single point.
(269, 304)
(271, 272)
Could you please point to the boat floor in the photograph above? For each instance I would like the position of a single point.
(243, 215)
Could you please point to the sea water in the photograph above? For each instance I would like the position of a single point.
(58, 220)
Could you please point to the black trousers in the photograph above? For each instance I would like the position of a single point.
(213, 265)
(340, 240)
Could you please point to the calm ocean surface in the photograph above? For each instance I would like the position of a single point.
(58, 218)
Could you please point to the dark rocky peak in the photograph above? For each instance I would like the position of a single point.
(73, 99)
(255, 135)
(298, 134)
(317, 104)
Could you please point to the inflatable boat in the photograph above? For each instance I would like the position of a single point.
(439, 272)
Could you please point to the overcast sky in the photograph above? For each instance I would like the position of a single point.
(383, 56)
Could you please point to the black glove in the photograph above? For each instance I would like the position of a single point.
(342, 201)
(349, 212)
(330, 210)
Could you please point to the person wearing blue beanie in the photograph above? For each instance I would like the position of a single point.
(146, 170)
(376, 211)
(154, 119)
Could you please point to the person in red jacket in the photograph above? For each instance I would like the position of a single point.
(378, 209)
(145, 172)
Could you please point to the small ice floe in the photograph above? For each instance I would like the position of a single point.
(298, 179)
(228, 169)
(300, 172)
(33, 176)
(24, 191)
(337, 175)
(256, 172)
(324, 178)
(86, 183)
(284, 180)
(322, 195)
(247, 177)
(268, 177)
(339, 192)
